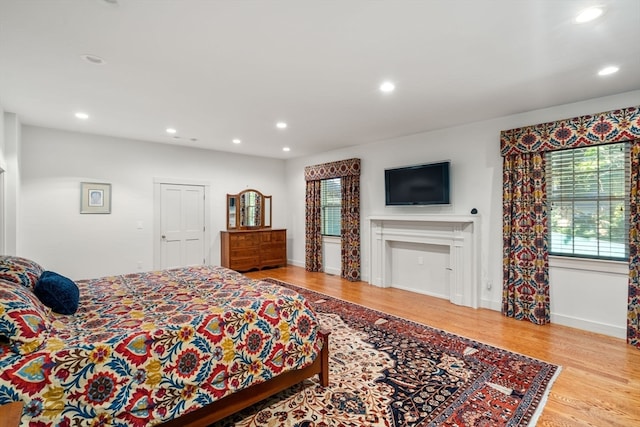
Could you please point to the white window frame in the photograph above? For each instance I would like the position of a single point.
(324, 204)
(569, 197)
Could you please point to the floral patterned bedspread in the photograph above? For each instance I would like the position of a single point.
(145, 348)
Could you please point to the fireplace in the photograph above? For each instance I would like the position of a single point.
(451, 241)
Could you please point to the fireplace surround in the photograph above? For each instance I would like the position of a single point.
(460, 233)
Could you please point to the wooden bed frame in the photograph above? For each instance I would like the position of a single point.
(244, 398)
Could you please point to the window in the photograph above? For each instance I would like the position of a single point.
(330, 205)
(587, 190)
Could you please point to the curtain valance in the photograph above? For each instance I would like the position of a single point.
(349, 167)
(602, 128)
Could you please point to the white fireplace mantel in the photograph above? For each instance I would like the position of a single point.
(460, 233)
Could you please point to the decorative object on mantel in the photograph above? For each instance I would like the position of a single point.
(95, 198)
(525, 252)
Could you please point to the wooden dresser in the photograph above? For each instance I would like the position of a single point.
(244, 250)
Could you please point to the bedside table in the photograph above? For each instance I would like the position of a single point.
(10, 414)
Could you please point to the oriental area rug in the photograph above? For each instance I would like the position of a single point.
(387, 371)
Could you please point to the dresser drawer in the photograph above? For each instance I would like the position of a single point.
(273, 261)
(249, 252)
(244, 264)
(244, 239)
(277, 236)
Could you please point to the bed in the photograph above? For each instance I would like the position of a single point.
(183, 347)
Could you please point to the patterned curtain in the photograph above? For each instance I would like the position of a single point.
(350, 227)
(525, 283)
(633, 313)
(349, 172)
(602, 128)
(313, 229)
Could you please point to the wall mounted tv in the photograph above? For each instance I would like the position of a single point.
(417, 185)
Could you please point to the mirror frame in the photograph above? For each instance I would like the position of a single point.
(234, 215)
(266, 211)
(232, 211)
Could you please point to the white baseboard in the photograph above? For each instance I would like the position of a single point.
(589, 325)
(491, 305)
(571, 321)
(417, 291)
(332, 271)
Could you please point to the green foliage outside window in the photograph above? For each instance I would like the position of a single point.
(587, 190)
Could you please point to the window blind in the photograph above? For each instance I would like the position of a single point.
(587, 191)
(331, 202)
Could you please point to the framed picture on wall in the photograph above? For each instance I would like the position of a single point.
(95, 198)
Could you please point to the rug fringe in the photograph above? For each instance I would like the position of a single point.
(543, 399)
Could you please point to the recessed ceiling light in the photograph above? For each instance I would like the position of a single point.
(608, 70)
(236, 141)
(81, 115)
(171, 130)
(286, 149)
(281, 125)
(589, 15)
(387, 87)
(93, 59)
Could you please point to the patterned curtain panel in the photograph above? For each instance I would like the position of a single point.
(525, 284)
(349, 171)
(313, 236)
(602, 128)
(350, 214)
(633, 313)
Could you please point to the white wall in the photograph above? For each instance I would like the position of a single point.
(11, 182)
(54, 233)
(3, 162)
(3, 190)
(594, 301)
(331, 255)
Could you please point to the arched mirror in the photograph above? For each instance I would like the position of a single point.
(248, 209)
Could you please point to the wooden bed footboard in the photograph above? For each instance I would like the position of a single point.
(244, 398)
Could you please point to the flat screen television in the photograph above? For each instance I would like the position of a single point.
(417, 185)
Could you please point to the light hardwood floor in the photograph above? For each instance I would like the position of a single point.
(599, 384)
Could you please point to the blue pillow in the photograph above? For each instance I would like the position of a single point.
(57, 292)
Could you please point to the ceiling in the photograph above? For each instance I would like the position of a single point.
(220, 70)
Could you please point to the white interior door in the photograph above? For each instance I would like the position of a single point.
(182, 225)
